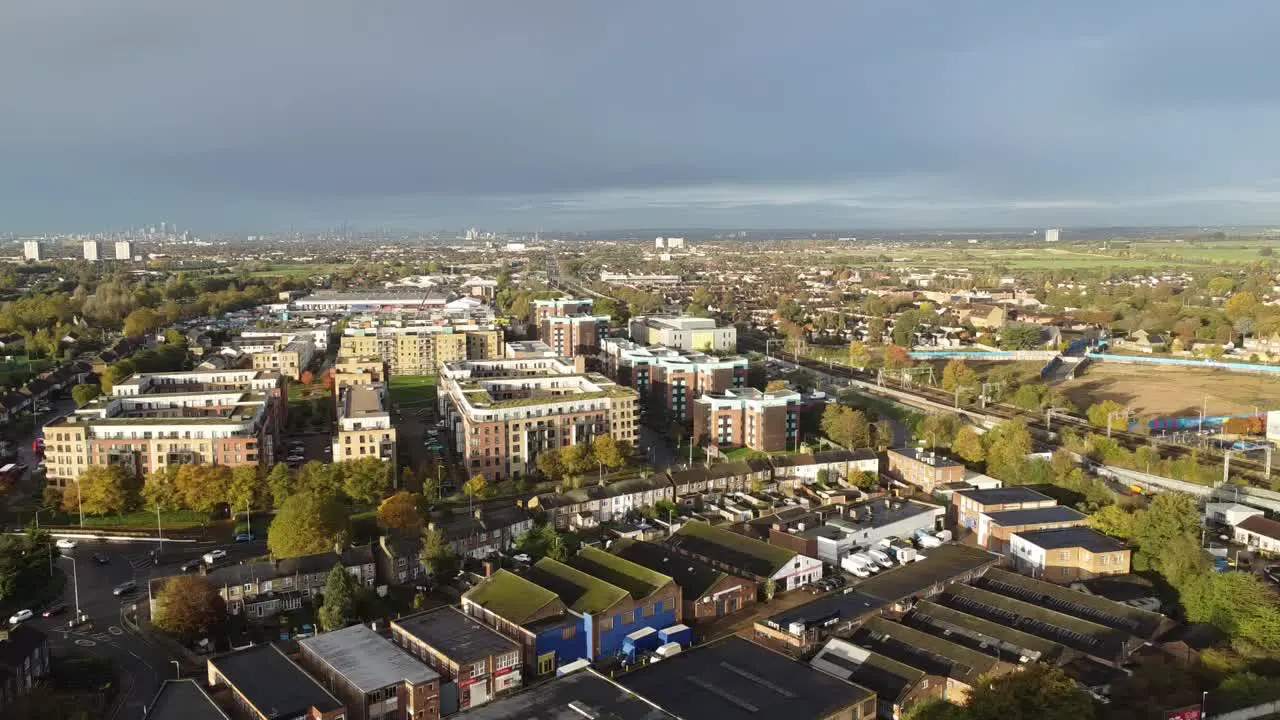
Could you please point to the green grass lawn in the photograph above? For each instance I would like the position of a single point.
(413, 390)
(143, 519)
(746, 453)
(298, 271)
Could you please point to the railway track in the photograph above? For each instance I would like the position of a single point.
(1255, 473)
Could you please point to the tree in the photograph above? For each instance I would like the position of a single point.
(550, 464)
(1021, 337)
(142, 321)
(281, 484)
(85, 394)
(402, 511)
(896, 358)
(188, 607)
(577, 459)
(307, 378)
(1100, 414)
(939, 429)
(957, 374)
(365, 480)
(883, 429)
(341, 593)
(1008, 445)
(775, 385)
(542, 541)
(246, 490)
(202, 487)
(607, 452)
(103, 489)
(967, 445)
(769, 589)
(475, 487)
(1039, 691)
(438, 556)
(1115, 521)
(875, 328)
(307, 523)
(846, 426)
(1241, 305)
(319, 477)
(859, 355)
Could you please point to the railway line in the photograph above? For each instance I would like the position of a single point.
(1253, 472)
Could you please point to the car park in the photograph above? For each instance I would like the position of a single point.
(21, 616)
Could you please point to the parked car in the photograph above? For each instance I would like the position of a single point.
(66, 543)
(21, 616)
(245, 537)
(522, 558)
(55, 609)
(124, 588)
(101, 559)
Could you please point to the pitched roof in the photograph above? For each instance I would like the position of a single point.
(693, 576)
(367, 660)
(636, 579)
(581, 592)
(731, 549)
(1262, 526)
(510, 596)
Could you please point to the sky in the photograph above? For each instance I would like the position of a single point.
(243, 115)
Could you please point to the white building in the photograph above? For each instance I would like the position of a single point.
(675, 243)
(1051, 235)
(1259, 533)
(124, 250)
(92, 251)
(31, 250)
(684, 333)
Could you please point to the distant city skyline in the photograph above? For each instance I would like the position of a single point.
(570, 116)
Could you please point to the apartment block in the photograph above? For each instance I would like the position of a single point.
(484, 663)
(746, 417)
(24, 662)
(924, 469)
(421, 350)
(502, 413)
(560, 307)
(348, 371)
(996, 530)
(318, 334)
(1068, 555)
(669, 379)
(150, 420)
(364, 424)
(290, 359)
(371, 676)
(970, 505)
(684, 333)
(574, 335)
(124, 250)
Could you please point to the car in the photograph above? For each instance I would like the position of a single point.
(55, 609)
(522, 558)
(21, 616)
(214, 556)
(293, 457)
(328, 450)
(245, 537)
(66, 544)
(191, 565)
(101, 559)
(124, 588)
(1272, 573)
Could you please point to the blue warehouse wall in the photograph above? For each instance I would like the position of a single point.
(575, 648)
(628, 622)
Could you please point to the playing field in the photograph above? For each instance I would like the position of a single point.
(1159, 391)
(413, 390)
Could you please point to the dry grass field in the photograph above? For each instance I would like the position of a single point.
(1155, 392)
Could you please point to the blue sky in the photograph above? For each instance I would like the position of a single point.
(243, 114)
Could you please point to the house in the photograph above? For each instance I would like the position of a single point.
(982, 316)
(484, 532)
(897, 687)
(925, 470)
(736, 679)
(738, 476)
(834, 465)
(1228, 514)
(183, 700)
(24, 660)
(264, 684)
(996, 530)
(970, 504)
(1066, 555)
(1259, 532)
(705, 591)
(745, 557)
(375, 679)
(260, 590)
(601, 503)
(398, 559)
(483, 663)
(1144, 341)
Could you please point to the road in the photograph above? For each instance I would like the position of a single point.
(24, 497)
(143, 666)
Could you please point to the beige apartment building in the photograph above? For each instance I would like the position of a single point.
(421, 350)
(357, 371)
(152, 420)
(289, 359)
(364, 424)
(502, 413)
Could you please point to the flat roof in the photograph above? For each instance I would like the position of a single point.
(731, 549)
(580, 696)
(456, 635)
(881, 512)
(1035, 516)
(366, 659)
(510, 596)
(1072, 537)
(919, 455)
(887, 677)
(273, 683)
(944, 564)
(363, 401)
(1003, 495)
(736, 678)
(846, 605)
(183, 700)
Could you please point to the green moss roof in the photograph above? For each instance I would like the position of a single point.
(772, 554)
(638, 580)
(510, 596)
(581, 592)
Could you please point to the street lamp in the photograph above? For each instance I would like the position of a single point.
(75, 583)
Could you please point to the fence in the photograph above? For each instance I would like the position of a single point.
(1181, 362)
(1249, 713)
(1031, 355)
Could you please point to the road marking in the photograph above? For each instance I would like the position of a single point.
(86, 643)
(115, 630)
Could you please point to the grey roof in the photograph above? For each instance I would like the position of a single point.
(455, 635)
(1003, 495)
(946, 564)
(1072, 537)
(881, 512)
(917, 454)
(583, 694)
(1035, 516)
(183, 700)
(273, 683)
(367, 660)
(736, 678)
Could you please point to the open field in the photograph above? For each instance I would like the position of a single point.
(413, 390)
(299, 271)
(1158, 391)
(1141, 254)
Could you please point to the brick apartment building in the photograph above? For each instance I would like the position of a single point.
(925, 469)
(374, 679)
(746, 417)
(262, 683)
(568, 326)
(484, 663)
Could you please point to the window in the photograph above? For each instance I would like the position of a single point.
(569, 633)
(649, 610)
(1064, 555)
(606, 624)
(506, 661)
